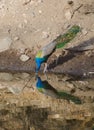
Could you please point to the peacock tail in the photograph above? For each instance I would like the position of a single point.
(62, 40)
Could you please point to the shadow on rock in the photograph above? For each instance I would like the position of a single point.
(77, 62)
(61, 60)
(84, 46)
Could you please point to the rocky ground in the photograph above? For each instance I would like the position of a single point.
(26, 26)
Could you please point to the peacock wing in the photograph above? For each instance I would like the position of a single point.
(48, 49)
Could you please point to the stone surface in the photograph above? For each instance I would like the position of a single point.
(15, 89)
(24, 57)
(84, 31)
(29, 28)
(2, 86)
(68, 14)
(6, 76)
(5, 43)
(18, 45)
(45, 34)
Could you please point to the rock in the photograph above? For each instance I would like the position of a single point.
(2, 86)
(26, 2)
(32, 128)
(33, 14)
(25, 21)
(5, 43)
(68, 14)
(40, 1)
(16, 38)
(70, 85)
(2, 128)
(70, 2)
(15, 89)
(25, 75)
(84, 31)
(54, 116)
(40, 11)
(21, 75)
(66, 26)
(29, 39)
(21, 50)
(20, 25)
(45, 34)
(24, 57)
(32, 2)
(18, 45)
(6, 76)
(2, 106)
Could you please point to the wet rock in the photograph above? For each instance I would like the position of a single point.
(6, 76)
(5, 43)
(24, 57)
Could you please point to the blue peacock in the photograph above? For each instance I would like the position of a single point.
(43, 54)
(47, 89)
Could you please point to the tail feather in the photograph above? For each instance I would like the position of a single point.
(62, 40)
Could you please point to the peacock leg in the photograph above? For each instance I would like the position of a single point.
(45, 67)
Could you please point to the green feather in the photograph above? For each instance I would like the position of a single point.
(67, 37)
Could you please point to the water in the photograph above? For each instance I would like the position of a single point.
(23, 106)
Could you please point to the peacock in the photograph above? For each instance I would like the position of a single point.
(44, 53)
(47, 89)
